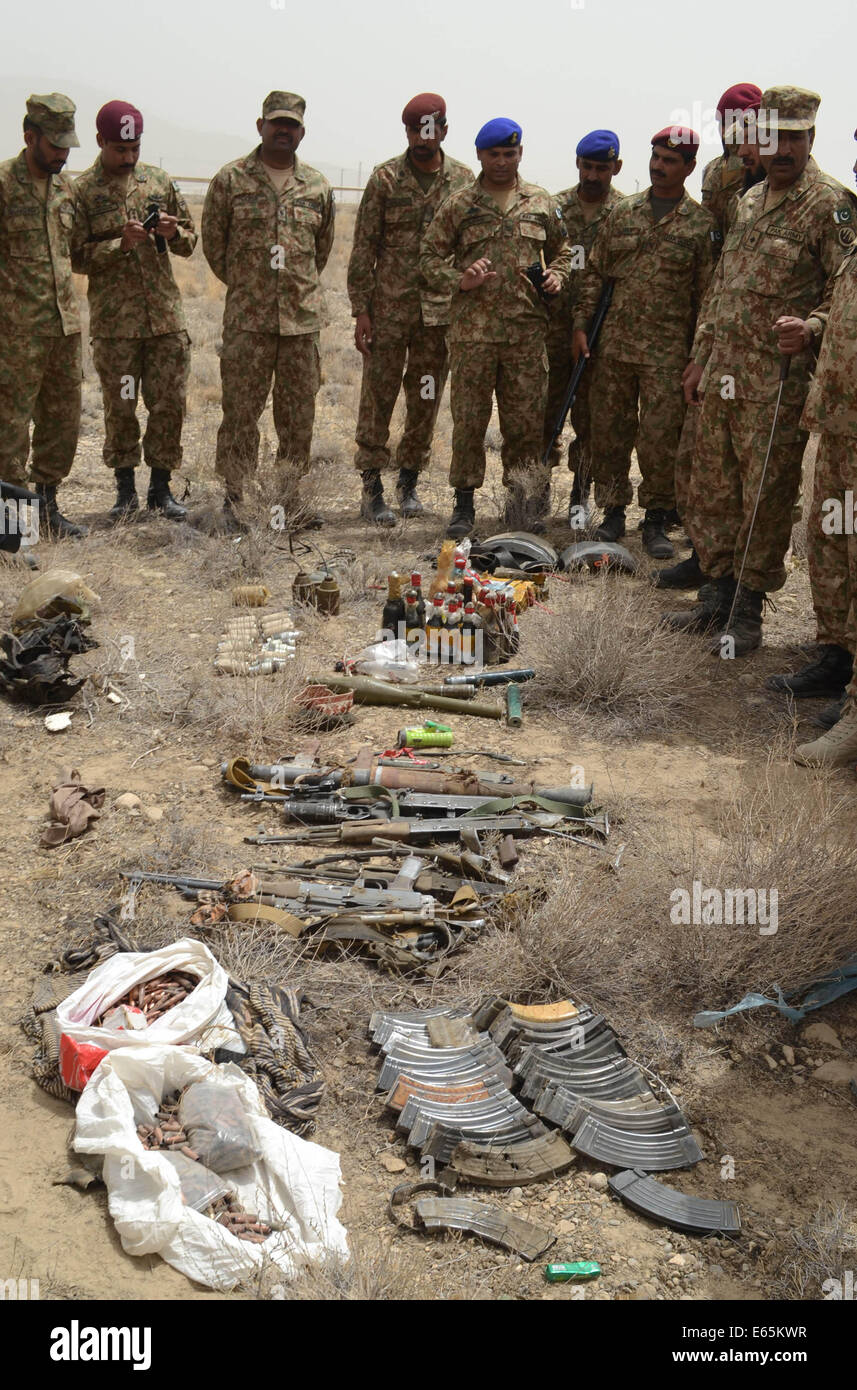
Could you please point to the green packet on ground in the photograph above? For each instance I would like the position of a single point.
(575, 1271)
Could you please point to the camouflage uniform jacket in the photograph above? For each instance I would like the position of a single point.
(37, 294)
(383, 272)
(132, 294)
(832, 401)
(661, 272)
(722, 179)
(247, 227)
(774, 262)
(581, 235)
(470, 225)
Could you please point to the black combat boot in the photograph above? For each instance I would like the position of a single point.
(160, 499)
(463, 517)
(685, 575)
(612, 527)
(831, 714)
(744, 633)
(672, 520)
(372, 505)
(655, 539)
(712, 610)
(126, 495)
(406, 487)
(51, 520)
(827, 675)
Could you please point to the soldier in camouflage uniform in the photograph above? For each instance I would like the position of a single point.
(40, 358)
(831, 409)
(478, 247)
(583, 209)
(267, 232)
(790, 233)
(658, 249)
(723, 177)
(398, 321)
(722, 187)
(140, 344)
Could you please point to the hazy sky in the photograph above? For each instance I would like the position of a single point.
(560, 68)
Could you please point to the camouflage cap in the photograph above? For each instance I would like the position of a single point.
(283, 106)
(54, 115)
(788, 108)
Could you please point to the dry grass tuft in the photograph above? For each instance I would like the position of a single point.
(610, 938)
(600, 650)
(823, 1249)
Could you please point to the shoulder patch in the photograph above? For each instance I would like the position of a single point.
(842, 214)
(558, 212)
(715, 234)
(847, 236)
(175, 184)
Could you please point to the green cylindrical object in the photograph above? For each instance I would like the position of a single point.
(574, 1272)
(369, 692)
(424, 738)
(514, 712)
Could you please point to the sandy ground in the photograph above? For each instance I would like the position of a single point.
(167, 587)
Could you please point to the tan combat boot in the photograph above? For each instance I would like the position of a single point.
(837, 748)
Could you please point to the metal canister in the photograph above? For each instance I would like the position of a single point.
(327, 596)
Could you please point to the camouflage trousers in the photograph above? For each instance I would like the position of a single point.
(560, 367)
(730, 450)
(517, 373)
(636, 405)
(832, 551)
(156, 369)
(684, 459)
(40, 380)
(384, 374)
(249, 362)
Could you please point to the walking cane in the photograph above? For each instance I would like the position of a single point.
(785, 367)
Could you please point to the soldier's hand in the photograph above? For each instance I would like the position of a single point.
(793, 335)
(132, 234)
(477, 274)
(551, 283)
(690, 379)
(363, 335)
(579, 344)
(168, 226)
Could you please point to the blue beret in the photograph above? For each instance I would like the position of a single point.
(602, 145)
(500, 131)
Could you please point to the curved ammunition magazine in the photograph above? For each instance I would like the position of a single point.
(495, 1114)
(696, 1215)
(569, 1113)
(650, 1153)
(443, 1138)
(610, 1080)
(512, 1165)
(491, 1224)
(406, 1087)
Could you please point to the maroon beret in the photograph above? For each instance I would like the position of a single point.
(426, 104)
(744, 96)
(678, 137)
(120, 121)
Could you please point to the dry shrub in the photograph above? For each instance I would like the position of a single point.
(609, 937)
(791, 836)
(382, 1268)
(823, 1248)
(557, 941)
(600, 650)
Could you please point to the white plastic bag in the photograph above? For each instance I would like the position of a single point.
(294, 1186)
(391, 660)
(202, 1019)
